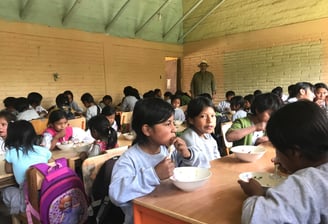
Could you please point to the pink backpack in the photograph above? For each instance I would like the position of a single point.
(62, 196)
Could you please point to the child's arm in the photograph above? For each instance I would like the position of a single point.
(252, 187)
(237, 134)
(8, 167)
(56, 138)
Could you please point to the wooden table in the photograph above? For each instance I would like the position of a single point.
(7, 179)
(218, 201)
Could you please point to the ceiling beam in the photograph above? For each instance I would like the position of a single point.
(151, 17)
(67, 16)
(119, 12)
(25, 9)
(201, 20)
(183, 17)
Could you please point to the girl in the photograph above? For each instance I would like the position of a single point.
(202, 121)
(141, 168)
(58, 131)
(250, 130)
(237, 105)
(299, 132)
(92, 108)
(105, 135)
(5, 118)
(178, 113)
(21, 154)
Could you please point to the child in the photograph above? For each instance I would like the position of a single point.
(34, 100)
(9, 104)
(250, 130)
(105, 136)
(178, 113)
(224, 106)
(142, 167)
(72, 104)
(237, 105)
(201, 119)
(109, 112)
(24, 112)
(248, 100)
(92, 108)
(299, 132)
(58, 131)
(5, 118)
(107, 100)
(21, 154)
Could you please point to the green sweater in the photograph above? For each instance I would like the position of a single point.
(239, 124)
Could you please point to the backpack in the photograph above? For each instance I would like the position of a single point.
(62, 196)
(105, 210)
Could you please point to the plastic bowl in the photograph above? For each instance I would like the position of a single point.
(190, 178)
(82, 146)
(65, 146)
(264, 178)
(129, 136)
(248, 153)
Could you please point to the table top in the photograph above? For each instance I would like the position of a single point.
(218, 201)
(7, 179)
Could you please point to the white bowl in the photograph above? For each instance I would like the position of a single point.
(65, 146)
(190, 178)
(264, 178)
(82, 146)
(129, 136)
(248, 153)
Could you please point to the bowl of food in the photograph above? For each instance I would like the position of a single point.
(129, 136)
(248, 153)
(82, 146)
(64, 146)
(190, 178)
(264, 178)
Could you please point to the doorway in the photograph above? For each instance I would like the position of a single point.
(172, 74)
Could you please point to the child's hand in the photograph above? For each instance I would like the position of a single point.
(252, 187)
(181, 147)
(61, 134)
(164, 169)
(261, 140)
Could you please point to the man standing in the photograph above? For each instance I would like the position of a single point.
(203, 81)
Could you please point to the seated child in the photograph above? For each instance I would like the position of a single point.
(34, 100)
(107, 100)
(105, 136)
(237, 105)
(250, 130)
(72, 104)
(24, 112)
(224, 106)
(178, 113)
(58, 131)
(21, 154)
(142, 167)
(5, 118)
(109, 112)
(248, 100)
(299, 132)
(92, 108)
(201, 118)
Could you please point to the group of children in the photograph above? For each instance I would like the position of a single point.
(301, 149)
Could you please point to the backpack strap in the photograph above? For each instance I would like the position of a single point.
(30, 210)
(45, 168)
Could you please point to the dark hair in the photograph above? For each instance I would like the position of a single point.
(87, 97)
(174, 97)
(108, 110)
(265, 101)
(56, 115)
(237, 101)
(196, 106)
(21, 104)
(101, 125)
(149, 94)
(34, 98)
(8, 116)
(157, 92)
(9, 101)
(150, 111)
(62, 100)
(320, 85)
(168, 94)
(303, 85)
(249, 98)
(302, 126)
(107, 97)
(206, 95)
(291, 91)
(20, 136)
(278, 91)
(230, 93)
(68, 92)
(257, 92)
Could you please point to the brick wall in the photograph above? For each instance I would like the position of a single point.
(85, 62)
(262, 59)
